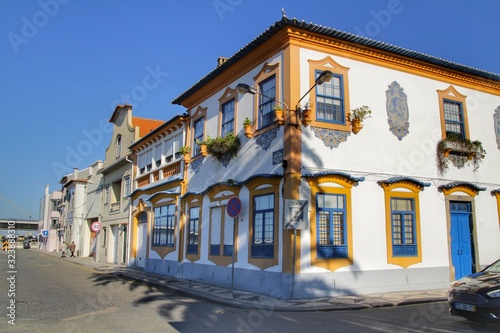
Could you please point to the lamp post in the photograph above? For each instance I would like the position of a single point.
(293, 175)
(323, 77)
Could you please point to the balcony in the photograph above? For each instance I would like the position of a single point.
(115, 207)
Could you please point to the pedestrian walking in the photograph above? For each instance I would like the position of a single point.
(93, 248)
(72, 248)
(63, 249)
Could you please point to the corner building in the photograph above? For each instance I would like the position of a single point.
(395, 205)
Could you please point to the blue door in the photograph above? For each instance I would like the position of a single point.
(461, 254)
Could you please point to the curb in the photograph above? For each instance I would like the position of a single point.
(270, 304)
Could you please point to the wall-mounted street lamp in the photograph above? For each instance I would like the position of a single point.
(325, 76)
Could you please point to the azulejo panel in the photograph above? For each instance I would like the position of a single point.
(331, 138)
(397, 110)
(265, 139)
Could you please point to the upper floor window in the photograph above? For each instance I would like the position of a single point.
(454, 119)
(158, 155)
(118, 145)
(126, 187)
(198, 134)
(227, 114)
(453, 112)
(106, 195)
(145, 161)
(267, 102)
(330, 100)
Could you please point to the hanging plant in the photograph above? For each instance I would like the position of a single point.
(356, 117)
(472, 150)
(222, 148)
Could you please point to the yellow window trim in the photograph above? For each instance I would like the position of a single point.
(266, 72)
(229, 94)
(272, 188)
(221, 260)
(452, 94)
(391, 191)
(164, 250)
(320, 185)
(497, 196)
(328, 63)
(462, 188)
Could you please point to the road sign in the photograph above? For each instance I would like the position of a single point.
(296, 216)
(233, 207)
(95, 226)
(45, 233)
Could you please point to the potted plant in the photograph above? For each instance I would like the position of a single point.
(203, 146)
(222, 148)
(278, 112)
(470, 151)
(247, 125)
(307, 115)
(185, 150)
(356, 117)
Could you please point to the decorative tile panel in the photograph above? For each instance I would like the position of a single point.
(196, 164)
(397, 110)
(278, 156)
(265, 139)
(330, 138)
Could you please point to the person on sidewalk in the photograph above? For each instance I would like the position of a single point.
(72, 248)
(93, 248)
(63, 249)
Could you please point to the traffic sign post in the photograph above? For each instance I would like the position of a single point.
(95, 226)
(296, 216)
(233, 209)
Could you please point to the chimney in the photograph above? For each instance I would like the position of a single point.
(221, 60)
(75, 173)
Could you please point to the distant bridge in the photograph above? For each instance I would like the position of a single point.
(21, 227)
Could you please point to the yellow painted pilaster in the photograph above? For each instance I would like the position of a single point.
(292, 149)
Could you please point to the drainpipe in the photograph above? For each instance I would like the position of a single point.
(129, 233)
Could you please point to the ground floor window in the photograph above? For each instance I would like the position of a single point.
(263, 226)
(403, 227)
(164, 225)
(331, 226)
(193, 232)
(221, 232)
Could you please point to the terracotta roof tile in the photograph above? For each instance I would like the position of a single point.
(146, 125)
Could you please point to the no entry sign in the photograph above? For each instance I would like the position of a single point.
(233, 207)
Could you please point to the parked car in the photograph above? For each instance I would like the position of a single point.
(26, 244)
(477, 296)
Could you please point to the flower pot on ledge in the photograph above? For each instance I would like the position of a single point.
(278, 113)
(307, 117)
(186, 158)
(248, 131)
(357, 125)
(203, 150)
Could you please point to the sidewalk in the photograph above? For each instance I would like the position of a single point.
(249, 300)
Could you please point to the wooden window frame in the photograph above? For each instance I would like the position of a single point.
(450, 94)
(328, 63)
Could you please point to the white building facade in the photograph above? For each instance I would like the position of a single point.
(408, 202)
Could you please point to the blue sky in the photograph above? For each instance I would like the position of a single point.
(67, 63)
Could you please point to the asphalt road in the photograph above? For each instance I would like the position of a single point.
(55, 295)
